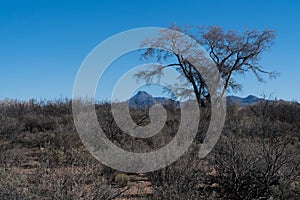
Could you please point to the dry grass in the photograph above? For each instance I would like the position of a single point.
(42, 157)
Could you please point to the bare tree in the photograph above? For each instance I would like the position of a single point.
(232, 53)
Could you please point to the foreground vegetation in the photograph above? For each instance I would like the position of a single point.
(42, 157)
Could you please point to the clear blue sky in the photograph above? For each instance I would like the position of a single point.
(42, 43)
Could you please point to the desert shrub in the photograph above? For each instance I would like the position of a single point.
(253, 169)
(257, 156)
(12, 185)
(9, 125)
(69, 183)
(180, 180)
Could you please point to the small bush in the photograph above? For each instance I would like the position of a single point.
(122, 179)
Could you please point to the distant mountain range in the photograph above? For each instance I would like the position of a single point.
(145, 100)
(249, 100)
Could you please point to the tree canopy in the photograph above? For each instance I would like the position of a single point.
(232, 53)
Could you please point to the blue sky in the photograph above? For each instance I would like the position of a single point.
(43, 43)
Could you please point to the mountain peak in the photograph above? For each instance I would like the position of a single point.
(142, 99)
(251, 97)
(143, 93)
